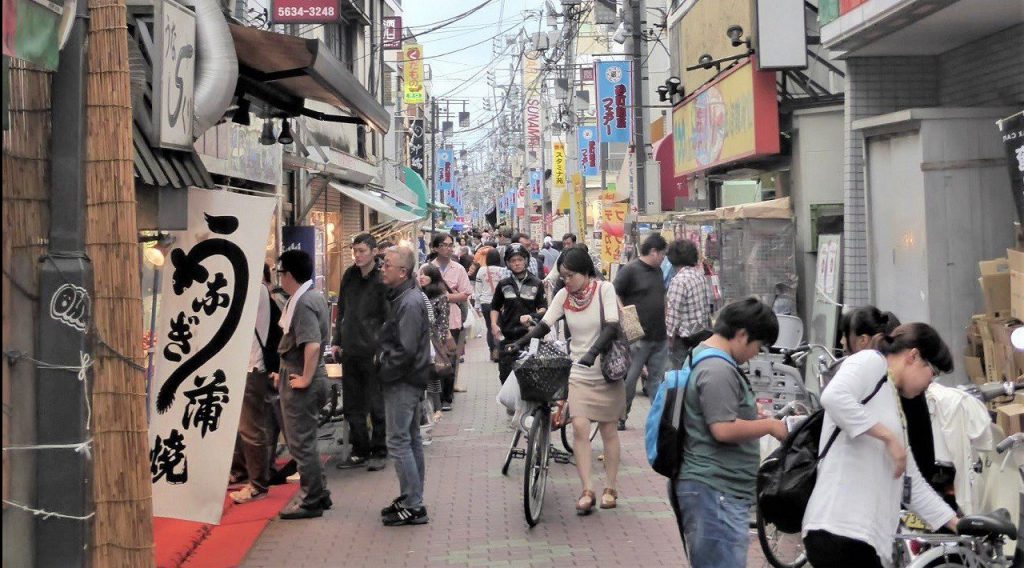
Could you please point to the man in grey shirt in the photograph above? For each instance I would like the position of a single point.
(306, 324)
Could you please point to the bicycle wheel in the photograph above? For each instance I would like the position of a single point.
(567, 438)
(512, 451)
(536, 475)
(781, 550)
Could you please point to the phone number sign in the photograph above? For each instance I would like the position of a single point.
(305, 11)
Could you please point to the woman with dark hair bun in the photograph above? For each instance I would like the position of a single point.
(859, 327)
(855, 507)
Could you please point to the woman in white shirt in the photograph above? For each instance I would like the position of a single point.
(487, 278)
(854, 510)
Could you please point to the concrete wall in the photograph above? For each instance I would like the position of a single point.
(986, 72)
(817, 177)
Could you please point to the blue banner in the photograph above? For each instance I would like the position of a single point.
(536, 193)
(614, 101)
(590, 150)
(445, 169)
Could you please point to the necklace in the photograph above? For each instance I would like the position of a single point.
(579, 301)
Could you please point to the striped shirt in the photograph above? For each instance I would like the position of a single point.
(687, 303)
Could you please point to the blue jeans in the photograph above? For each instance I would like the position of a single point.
(715, 525)
(402, 416)
(653, 355)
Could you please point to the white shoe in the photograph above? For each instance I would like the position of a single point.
(293, 478)
(427, 440)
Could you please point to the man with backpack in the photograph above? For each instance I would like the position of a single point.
(254, 443)
(714, 489)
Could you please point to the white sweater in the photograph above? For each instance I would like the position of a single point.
(856, 495)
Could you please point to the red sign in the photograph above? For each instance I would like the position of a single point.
(392, 33)
(587, 74)
(304, 11)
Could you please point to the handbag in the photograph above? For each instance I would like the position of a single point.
(629, 322)
(443, 355)
(616, 358)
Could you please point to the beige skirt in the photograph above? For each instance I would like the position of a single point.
(598, 401)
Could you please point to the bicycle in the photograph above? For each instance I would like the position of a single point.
(543, 380)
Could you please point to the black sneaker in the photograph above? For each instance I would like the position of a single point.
(351, 462)
(404, 516)
(393, 507)
(300, 512)
(325, 501)
(376, 464)
(446, 406)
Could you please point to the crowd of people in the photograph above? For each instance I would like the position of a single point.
(399, 336)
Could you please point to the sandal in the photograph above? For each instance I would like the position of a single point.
(589, 507)
(610, 498)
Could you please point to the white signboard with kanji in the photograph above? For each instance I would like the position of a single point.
(209, 294)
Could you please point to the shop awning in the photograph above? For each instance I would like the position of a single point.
(376, 203)
(301, 68)
(415, 183)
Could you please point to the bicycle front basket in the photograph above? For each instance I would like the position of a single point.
(543, 379)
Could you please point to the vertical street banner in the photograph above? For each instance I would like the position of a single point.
(392, 33)
(579, 207)
(590, 150)
(533, 112)
(412, 72)
(1012, 130)
(174, 75)
(32, 31)
(520, 199)
(207, 317)
(558, 171)
(613, 231)
(614, 101)
(444, 170)
(416, 146)
(536, 186)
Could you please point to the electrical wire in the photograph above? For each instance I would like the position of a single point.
(447, 22)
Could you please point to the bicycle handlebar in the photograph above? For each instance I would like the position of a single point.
(991, 391)
(1010, 442)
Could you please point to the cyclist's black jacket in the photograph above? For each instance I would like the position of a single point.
(514, 298)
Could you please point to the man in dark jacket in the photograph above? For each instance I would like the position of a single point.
(362, 307)
(518, 299)
(404, 368)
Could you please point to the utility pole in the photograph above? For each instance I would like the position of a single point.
(639, 126)
(433, 166)
(65, 318)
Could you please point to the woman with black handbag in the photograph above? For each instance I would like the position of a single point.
(596, 390)
(441, 340)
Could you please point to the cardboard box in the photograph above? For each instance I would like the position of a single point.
(1009, 362)
(988, 347)
(995, 286)
(1015, 260)
(975, 369)
(1010, 417)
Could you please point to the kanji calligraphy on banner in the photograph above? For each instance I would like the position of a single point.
(210, 291)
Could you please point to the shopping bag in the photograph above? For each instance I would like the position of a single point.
(508, 396)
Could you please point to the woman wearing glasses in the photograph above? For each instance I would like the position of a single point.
(854, 510)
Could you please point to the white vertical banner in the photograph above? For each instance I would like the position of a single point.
(209, 290)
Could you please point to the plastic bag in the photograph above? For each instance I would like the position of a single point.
(509, 396)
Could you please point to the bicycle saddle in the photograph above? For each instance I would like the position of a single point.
(996, 523)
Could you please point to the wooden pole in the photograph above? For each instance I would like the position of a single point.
(122, 490)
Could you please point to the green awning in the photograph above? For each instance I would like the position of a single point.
(414, 182)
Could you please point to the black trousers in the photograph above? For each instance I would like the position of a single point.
(827, 550)
(505, 361)
(363, 402)
(448, 382)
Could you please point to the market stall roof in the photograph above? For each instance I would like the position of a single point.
(376, 203)
(774, 209)
(303, 68)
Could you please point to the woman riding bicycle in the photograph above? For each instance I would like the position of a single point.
(854, 509)
(592, 398)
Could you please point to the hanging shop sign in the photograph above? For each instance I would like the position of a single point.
(590, 150)
(208, 312)
(34, 29)
(558, 171)
(734, 118)
(304, 11)
(536, 186)
(533, 113)
(1012, 130)
(392, 30)
(412, 57)
(444, 170)
(614, 101)
(416, 147)
(579, 207)
(613, 231)
(174, 75)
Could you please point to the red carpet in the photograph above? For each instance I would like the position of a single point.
(199, 545)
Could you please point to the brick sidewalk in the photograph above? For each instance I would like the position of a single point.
(476, 514)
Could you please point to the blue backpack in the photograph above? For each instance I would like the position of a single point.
(665, 433)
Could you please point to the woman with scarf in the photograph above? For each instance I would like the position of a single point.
(592, 397)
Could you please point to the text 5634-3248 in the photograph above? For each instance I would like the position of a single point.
(305, 12)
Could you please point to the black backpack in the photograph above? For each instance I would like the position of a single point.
(271, 358)
(786, 478)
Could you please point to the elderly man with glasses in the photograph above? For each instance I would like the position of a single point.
(403, 361)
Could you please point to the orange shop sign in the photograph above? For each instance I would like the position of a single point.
(734, 118)
(413, 70)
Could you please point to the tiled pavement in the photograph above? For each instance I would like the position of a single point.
(476, 514)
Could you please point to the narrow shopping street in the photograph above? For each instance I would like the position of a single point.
(476, 514)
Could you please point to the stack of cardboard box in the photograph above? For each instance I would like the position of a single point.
(990, 355)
